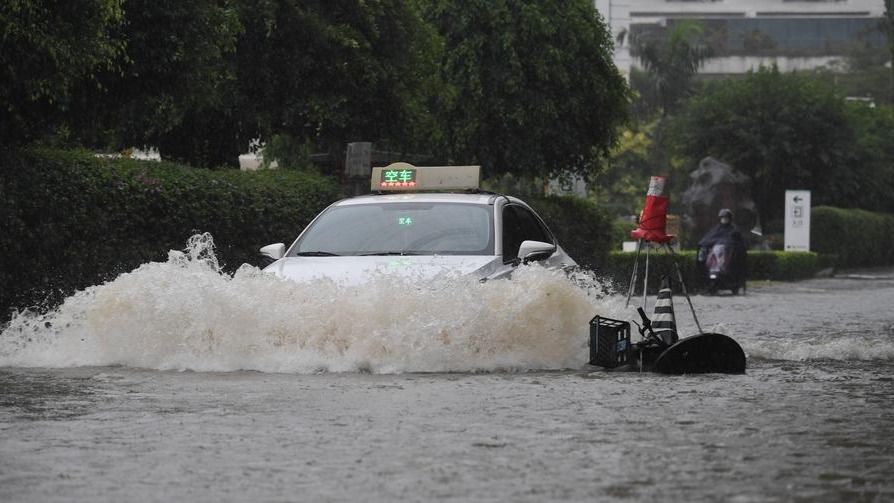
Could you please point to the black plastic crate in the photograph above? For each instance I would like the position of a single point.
(609, 342)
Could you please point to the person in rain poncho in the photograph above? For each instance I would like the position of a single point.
(721, 255)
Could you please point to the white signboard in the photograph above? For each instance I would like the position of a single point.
(567, 184)
(358, 159)
(797, 220)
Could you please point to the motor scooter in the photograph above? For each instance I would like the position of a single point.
(722, 267)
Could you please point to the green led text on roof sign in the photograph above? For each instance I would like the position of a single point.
(398, 178)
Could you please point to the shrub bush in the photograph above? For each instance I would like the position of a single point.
(621, 228)
(772, 265)
(782, 266)
(619, 266)
(859, 238)
(583, 229)
(794, 266)
(71, 220)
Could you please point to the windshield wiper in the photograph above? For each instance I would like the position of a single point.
(316, 254)
(389, 253)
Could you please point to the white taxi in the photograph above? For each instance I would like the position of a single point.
(420, 222)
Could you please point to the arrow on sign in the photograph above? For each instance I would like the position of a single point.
(797, 199)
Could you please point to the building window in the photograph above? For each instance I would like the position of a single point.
(783, 37)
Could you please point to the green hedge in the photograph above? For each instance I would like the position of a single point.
(583, 229)
(619, 265)
(621, 228)
(783, 266)
(71, 220)
(773, 265)
(859, 238)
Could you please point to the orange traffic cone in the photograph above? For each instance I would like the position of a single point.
(653, 219)
(663, 322)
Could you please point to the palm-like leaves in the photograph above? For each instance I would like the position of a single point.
(671, 60)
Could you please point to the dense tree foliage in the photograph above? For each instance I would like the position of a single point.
(514, 84)
(532, 87)
(622, 185)
(176, 88)
(871, 174)
(48, 48)
(788, 131)
(328, 72)
(889, 29)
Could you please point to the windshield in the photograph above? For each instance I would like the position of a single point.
(415, 228)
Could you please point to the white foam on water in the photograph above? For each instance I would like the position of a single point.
(842, 347)
(186, 314)
(783, 340)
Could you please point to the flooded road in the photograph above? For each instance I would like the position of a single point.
(811, 420)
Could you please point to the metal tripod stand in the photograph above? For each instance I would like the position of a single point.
(633, 277)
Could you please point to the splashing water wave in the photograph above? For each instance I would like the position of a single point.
(186, 314)
(862, 346)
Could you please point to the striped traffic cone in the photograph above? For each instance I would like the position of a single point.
(663, 322)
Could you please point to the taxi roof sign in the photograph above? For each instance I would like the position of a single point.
(404, 177)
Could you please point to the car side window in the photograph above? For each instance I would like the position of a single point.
(519, 224)
(531, 226)
(513, 233)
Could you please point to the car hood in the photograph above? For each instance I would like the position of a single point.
(358, 270)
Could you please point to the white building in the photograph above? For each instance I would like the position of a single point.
(793, 34)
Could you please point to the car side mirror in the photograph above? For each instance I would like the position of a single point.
(274, 251)
(535, 250)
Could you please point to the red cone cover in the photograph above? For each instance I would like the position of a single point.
(653, 219)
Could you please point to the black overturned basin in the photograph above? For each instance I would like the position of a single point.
(702, 354)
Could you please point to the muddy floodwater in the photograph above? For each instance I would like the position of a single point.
(178, 383)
